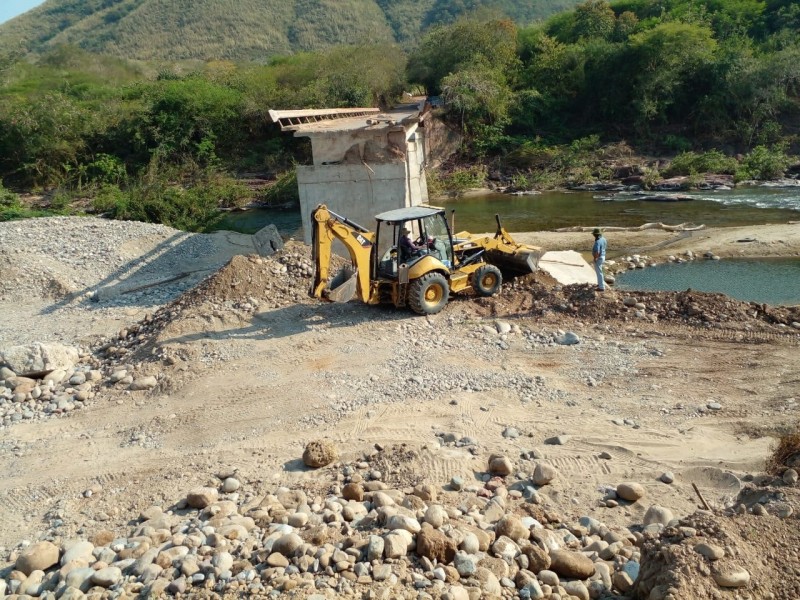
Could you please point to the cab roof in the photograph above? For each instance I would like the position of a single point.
(409, 213)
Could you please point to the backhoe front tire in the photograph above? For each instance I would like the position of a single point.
(486, 280)
(429, 294)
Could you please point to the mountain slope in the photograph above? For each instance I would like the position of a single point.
(240, 30)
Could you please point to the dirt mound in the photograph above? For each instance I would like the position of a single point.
(538, 295)
(272, 282)
(245, 285)
(706, 555)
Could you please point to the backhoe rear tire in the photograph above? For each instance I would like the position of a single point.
(429, 294)
(486, 280)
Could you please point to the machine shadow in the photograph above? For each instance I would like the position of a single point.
(139, 281)
(296, 319)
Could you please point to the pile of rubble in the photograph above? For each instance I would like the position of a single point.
(42, 380)
(493, 538)
(699, 309)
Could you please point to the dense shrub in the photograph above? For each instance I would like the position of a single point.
(193, 206)
(8, 199)
(764, 163)
(283, 192)
(457, 181)
(714, 161)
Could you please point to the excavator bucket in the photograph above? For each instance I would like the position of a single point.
(519, 260)
(343, 286)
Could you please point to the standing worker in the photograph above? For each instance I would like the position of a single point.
(599, 256)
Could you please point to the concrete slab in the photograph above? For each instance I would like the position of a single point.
(567, 267)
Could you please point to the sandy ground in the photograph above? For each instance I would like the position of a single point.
(754, 241)
(249, 389)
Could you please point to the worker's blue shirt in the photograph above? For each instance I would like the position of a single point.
(599, 247)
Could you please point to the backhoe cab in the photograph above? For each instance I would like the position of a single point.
(419, 275)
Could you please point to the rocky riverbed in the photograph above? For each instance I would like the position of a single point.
(543, 443)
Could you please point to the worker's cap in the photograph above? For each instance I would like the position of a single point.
(405, 230)
(597, 231)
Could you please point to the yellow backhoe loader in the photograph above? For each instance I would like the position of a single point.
(419, 274)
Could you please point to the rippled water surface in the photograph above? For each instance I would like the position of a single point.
(552, 210)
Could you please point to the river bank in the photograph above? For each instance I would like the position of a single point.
(753, 241)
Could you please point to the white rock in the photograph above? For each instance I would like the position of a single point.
(657, 514)
(143, 383)
(470, 543)
(544, 474)
(118, 376)
(577, 589)
(710, 551)
(403, 522)
(394, 546)
(436, 515)
(230, 485)
(731, 576)
(39, 358)
(222, 561)
(77, 550)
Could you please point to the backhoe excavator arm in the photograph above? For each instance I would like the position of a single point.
(328, 226)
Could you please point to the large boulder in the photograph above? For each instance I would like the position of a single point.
(544, 474)
(538, 559)
(36, 360)
(500, 465)
(268, 240)
(511, 527)
(657, 514)
(37, 557)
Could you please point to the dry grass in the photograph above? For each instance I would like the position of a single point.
(788, 445)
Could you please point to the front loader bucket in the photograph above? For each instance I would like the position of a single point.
(343, 286)
(520, 261)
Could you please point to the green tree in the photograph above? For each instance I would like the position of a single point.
(667, 60)
(447, 49)
(187, 115)
(625, 26)
(42, 138)
(362, 75)
(758, 89)
(594, 19)
(554, 68)
(478, 94)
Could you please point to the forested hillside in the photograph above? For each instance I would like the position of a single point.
(716, 85)
(251, 30)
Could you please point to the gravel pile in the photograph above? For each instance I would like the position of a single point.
(59, 256)
(485, 540)
(381, 531)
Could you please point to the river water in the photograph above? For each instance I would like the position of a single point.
(552, 210)
(773, 281)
